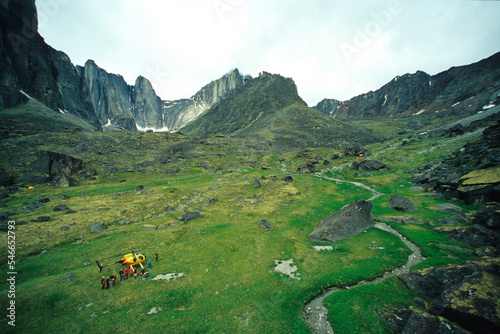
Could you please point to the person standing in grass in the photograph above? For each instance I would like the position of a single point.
(112, 279)
(149, 264)
(156, 256)
(103, 283)
(107, 282)
(131, 271)
(126, 273)
(121, 274)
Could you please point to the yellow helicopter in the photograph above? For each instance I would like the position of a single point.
(128, 260)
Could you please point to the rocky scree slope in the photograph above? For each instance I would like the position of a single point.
(458, 91)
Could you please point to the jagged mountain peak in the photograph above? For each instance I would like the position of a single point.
(420, 93)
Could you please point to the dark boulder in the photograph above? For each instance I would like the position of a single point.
(59, 167)
(288, 178)
(355, 151)
(479, 194)
(306, 169)
(188, 216)
(31, 179)
(89, 173)
(98, 228)
(412, 220)
(5, 179)
(56, 164)
(256, 183)
(368, 165)
(265, 225)
(400, 203)
(457, 130)
(62, 207)
(347, 222)
(475, 235)
(465, 294)
(65, 181)
(413, 321)
(488, 215)
(447, 207)
(43, 219)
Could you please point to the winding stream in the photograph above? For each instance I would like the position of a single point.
(315, 313)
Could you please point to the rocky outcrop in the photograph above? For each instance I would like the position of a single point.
(421, 93)
(347, 222)
(262, 95)
(59, 167)
(181, 112)
(414, 321)
(29, 68)
(470, 174)
(465, 294)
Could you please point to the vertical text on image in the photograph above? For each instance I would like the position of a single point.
(11, 294)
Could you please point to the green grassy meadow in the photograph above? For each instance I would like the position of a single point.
(230, 285)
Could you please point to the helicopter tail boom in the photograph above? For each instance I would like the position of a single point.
(100, 266)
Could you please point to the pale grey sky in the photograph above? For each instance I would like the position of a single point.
(331, 48)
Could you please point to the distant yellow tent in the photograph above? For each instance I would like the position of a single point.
(31, 187)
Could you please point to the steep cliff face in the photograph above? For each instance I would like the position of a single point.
(27, 63)
(420, 93)
(148, 107)
(109, 94)
(181, 112)
(72, 89)
(121, 106)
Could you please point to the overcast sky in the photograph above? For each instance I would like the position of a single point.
(331, 48)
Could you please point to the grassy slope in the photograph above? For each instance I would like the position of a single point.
(229, 285)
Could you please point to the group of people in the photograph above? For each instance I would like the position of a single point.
(107, 282)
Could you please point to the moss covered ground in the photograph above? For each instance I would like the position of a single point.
(230, 285)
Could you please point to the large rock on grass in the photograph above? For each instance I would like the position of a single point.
(401, 203)
(306, 169)
(347, 222)
(368, 165)
(188, 216)
(98, 228)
